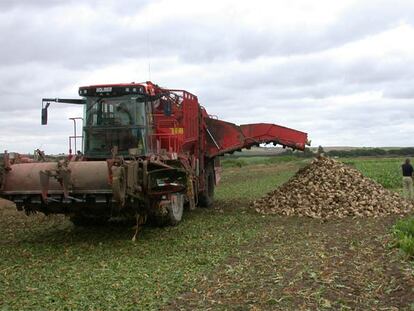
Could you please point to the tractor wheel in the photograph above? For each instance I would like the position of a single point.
(206, 197)
(169, 214)
(80, 220)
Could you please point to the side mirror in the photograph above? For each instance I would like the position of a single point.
(44, 114)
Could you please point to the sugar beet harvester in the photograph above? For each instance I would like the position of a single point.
(148, 152)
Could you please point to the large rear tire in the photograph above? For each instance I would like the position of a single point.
(206, 197)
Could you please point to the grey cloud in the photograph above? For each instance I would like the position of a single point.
(310, 77)
(41, 5)
(6, 5)
(402, 90)
(193, 40)
(23, 86)
(22, 131)
(242, 74)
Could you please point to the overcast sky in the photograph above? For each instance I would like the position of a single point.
(342, 71)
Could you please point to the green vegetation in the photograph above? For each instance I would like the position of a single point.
(380, 152)
(236, 162)
(386, 171)
(256, 181)
(362, 152)
(340, 152)
(46, 263)
(256, 160)
(404, 235)
(102, 268)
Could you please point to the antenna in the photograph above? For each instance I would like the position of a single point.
(149, 57)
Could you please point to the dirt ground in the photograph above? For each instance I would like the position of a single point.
(296, 264)
(304, 264)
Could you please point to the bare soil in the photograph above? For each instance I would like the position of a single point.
(305, 264)
(294, 263)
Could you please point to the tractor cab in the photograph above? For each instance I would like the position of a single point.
(134, 120)
(115, 117)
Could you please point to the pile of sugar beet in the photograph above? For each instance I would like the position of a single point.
(327, 188)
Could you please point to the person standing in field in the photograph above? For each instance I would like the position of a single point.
(407, 171)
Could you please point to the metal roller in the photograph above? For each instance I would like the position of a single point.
(84, 177)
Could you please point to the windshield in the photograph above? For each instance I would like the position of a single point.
(115, 121)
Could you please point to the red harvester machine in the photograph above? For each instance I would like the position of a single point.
(147, 152)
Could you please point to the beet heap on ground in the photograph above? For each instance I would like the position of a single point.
(327, 188)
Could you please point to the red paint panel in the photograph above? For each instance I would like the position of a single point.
(267, 133)
(224, 137)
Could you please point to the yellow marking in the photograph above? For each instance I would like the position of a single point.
(177, 130)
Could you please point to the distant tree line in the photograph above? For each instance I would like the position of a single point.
(357, 152)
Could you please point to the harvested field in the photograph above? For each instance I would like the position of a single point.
(305, 264)
(227, 258)
(326, 188)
